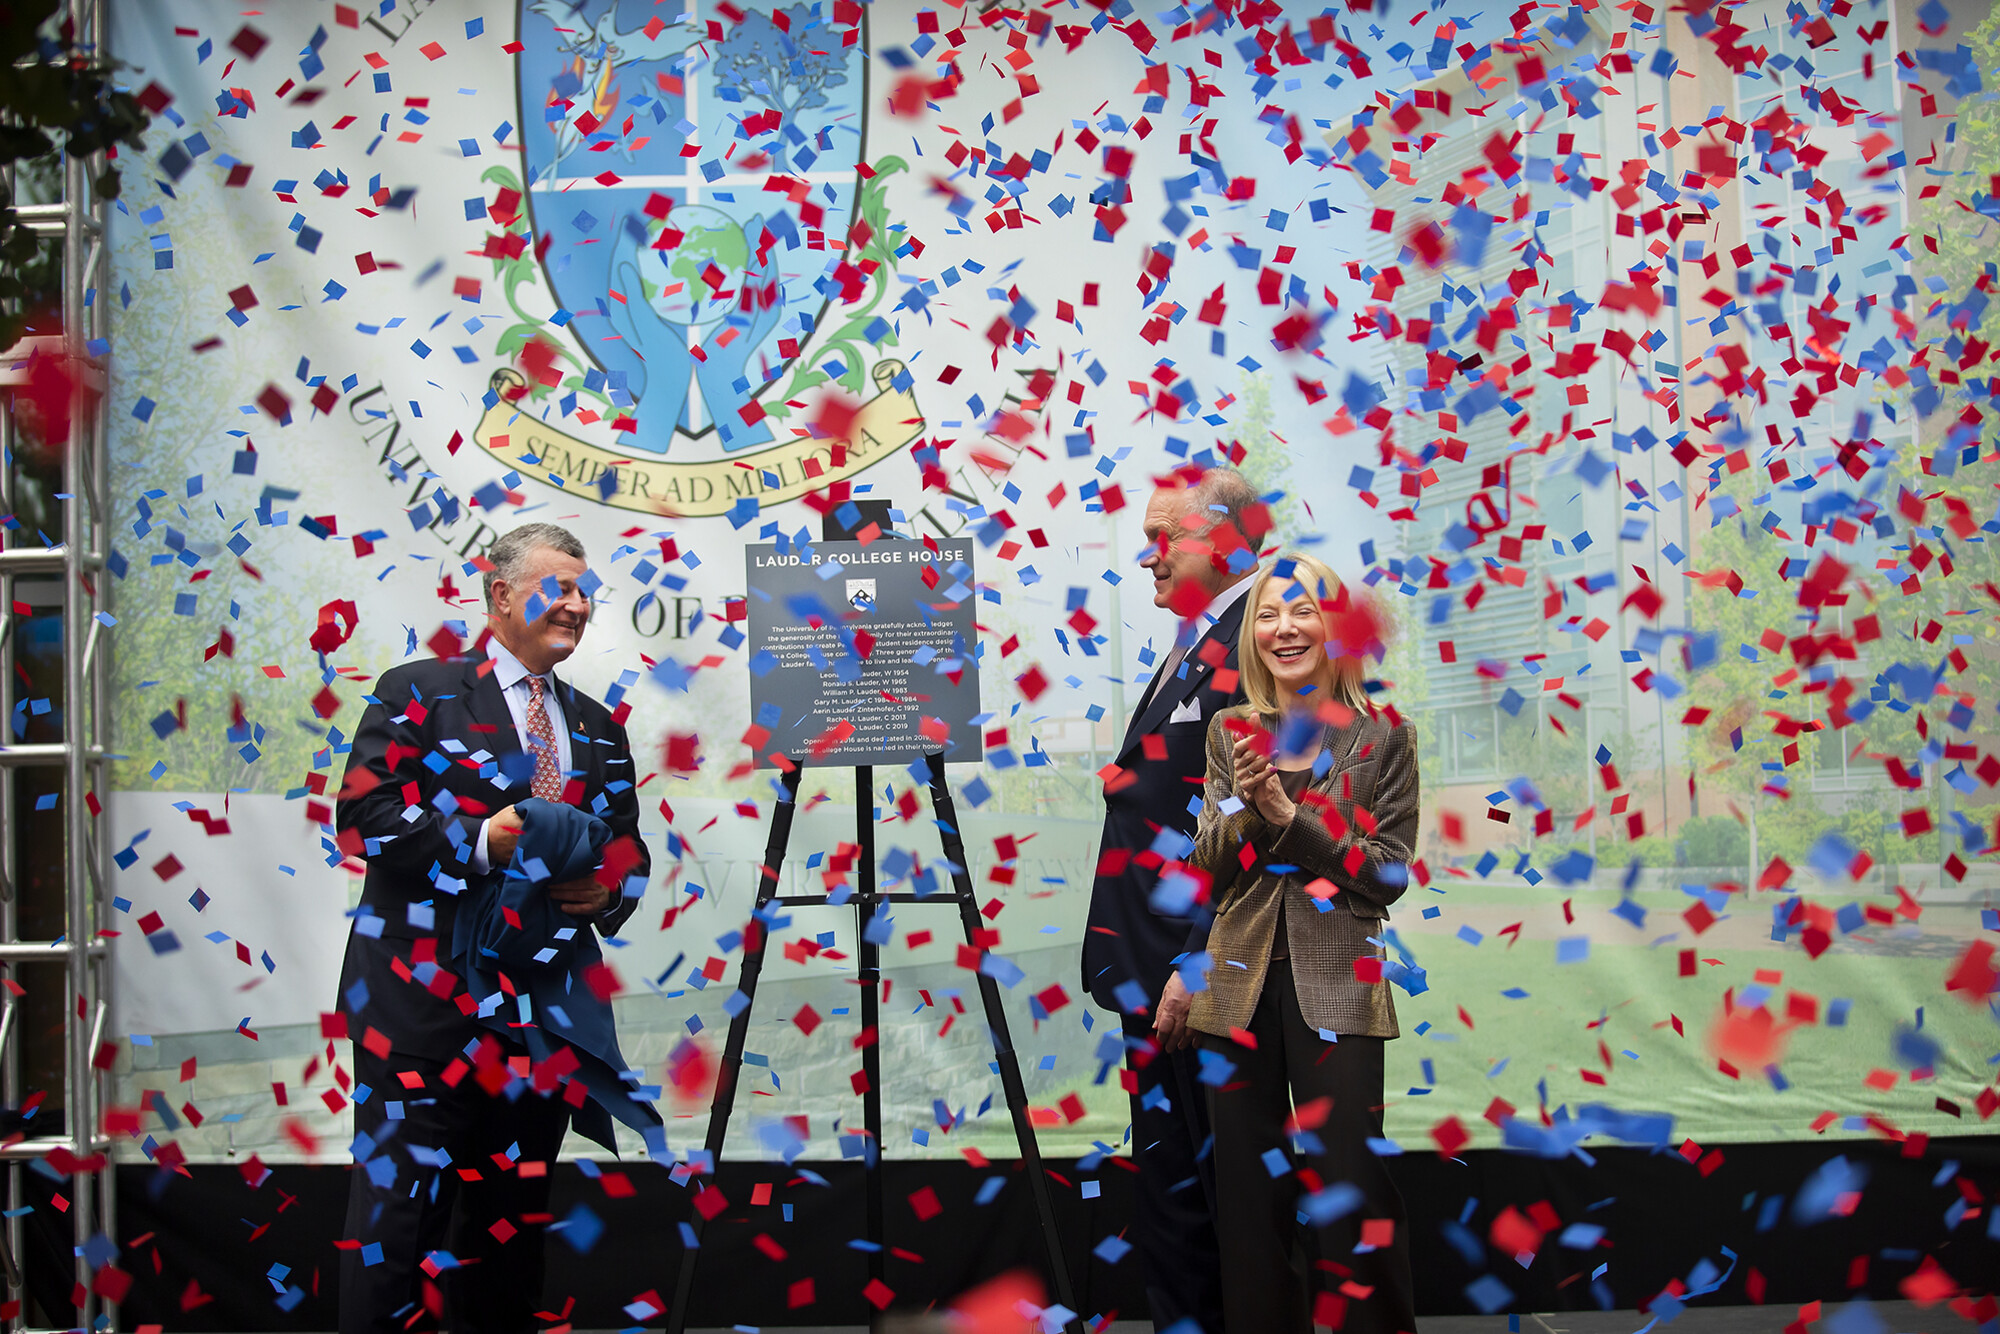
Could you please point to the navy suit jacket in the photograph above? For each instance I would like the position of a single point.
(442, 743)
(1126, 940)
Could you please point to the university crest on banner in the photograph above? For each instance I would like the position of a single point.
(696, 200)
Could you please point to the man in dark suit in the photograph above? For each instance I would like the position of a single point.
(456, 1134)
(1203, 529)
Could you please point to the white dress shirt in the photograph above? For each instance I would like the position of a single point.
(1224, 604)
(511, 675)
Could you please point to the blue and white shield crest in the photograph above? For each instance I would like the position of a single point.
(686, 179)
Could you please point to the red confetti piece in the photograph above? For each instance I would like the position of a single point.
(1450, 1136)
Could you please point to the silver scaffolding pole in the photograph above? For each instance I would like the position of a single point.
(75, 557)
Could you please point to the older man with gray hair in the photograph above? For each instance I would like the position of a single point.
(1201, 530)
(456, 1132)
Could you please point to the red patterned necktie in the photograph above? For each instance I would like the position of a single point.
(548, 784)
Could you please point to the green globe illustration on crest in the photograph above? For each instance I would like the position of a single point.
(677, 281)
(702, 308)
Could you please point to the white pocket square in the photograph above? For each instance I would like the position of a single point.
(1190, 712)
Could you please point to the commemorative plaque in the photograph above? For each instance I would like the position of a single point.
(861, 652)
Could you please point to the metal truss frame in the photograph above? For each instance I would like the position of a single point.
(74, 560)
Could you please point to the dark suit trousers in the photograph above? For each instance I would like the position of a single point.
(1173, 1224)
(1266, 1284)
(428, 1208)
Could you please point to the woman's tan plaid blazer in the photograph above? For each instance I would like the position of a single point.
(1372, 782)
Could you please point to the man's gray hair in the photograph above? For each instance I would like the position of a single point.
(1222, 496)
(510, 552)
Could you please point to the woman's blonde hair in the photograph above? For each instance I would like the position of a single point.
(1314, 579)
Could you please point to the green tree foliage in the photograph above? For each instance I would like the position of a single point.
(1964, 236)
(161, 661)
(1784, 786)
(789, 74)
(55, 98)
(1728, 747)
(1713, 840)
(1267, 460)
(1913, 638)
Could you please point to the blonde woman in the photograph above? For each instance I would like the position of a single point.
(1309, 814)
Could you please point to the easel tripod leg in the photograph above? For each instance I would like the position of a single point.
(869, 962)
(1011, 1085)
(869, 958)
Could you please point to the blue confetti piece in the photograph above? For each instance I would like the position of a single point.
(1334, 1202)
(1489, 1294)
(1001, 969)
(1574, 867)
(581, 1229)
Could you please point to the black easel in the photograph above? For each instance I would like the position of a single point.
(866, 900)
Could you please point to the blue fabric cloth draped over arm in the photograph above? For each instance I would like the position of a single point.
(512, 926)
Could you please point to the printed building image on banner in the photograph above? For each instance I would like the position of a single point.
(388, 282)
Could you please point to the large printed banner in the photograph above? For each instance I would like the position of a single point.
(1598, 351)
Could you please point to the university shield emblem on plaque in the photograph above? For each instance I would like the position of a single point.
(689, 199)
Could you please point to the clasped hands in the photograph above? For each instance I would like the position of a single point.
(581, 897)
(1260, 786)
